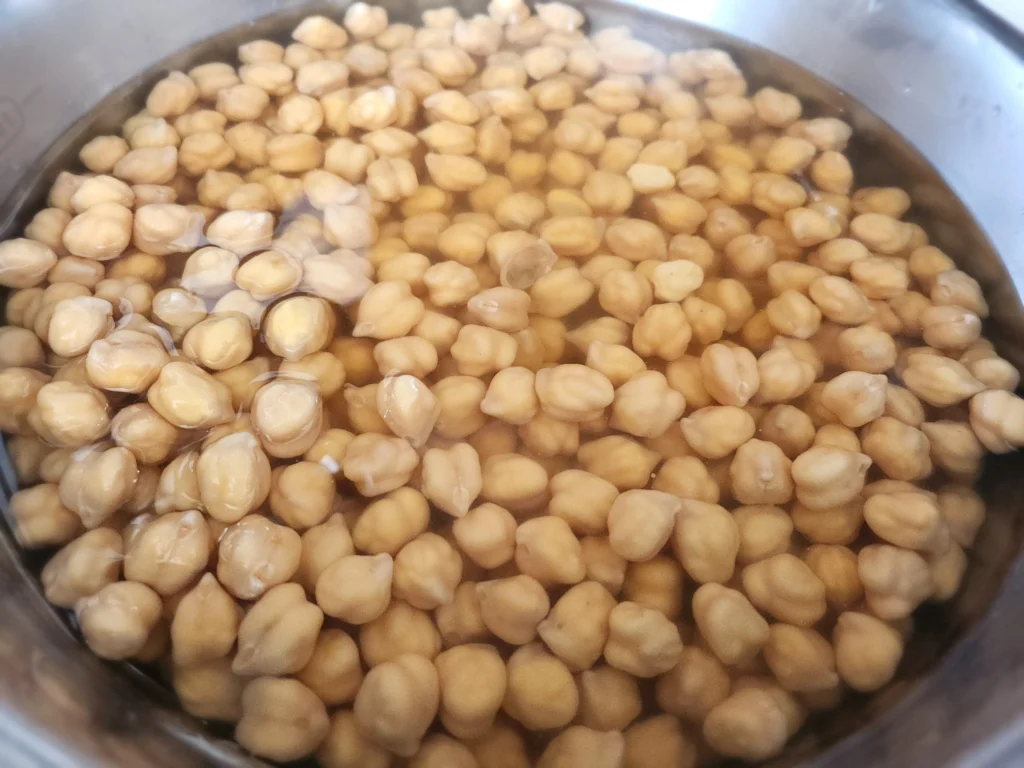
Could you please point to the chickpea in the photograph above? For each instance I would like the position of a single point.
(964, 512)
(400, 629)
(573, 392)
(895, 580)
(576, 629)
(559, 293)
(621, 461)
(83, 567)
(579, 746)
(169, 552)
(827, 476)
(21, 348)
(97, 482)
(322, 546)
(205, 624)
(900, 450)
(397, 702)
(70, 414)
(760, 474)
(716, 431)
(836, 566)
(641, 641)
(784, 586)
(911, 520)
(346, 747)
(750, 724)
(867, 650)
(427, 570)
(511, 396)
(547, 549)
(356, 589)
(278, 634)
(378, 464)
(460, 398)
(391, 522)
(609, 698)
(117, 620)
(282, 719)
(514, 482)
(255, 554)
(641, 522)
(210, 690)
(487, 535)
(387, 311)
(540, 692)
(472, 683)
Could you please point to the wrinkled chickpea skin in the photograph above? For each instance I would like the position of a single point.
(534, 357)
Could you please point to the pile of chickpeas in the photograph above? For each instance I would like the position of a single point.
(491, 394)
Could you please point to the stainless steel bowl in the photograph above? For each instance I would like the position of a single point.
(935, 89)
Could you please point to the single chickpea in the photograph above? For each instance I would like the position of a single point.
(205, 624)
(855, 397)
(472, 683)
(576, 630)
(659, 740)
(256, 554)
(511, 396)
(641, 641)
(625, 294)
(356, 589)
(646, 406)
(169, 552)
(656, 583)
(41, 519)
(278, 634)
(397, 702)
(388, 311)
(101, 154)
(900, 450)
(541, 693)
(765, 531)
(836, 566)
(427, 570)
(547, 549)
(117, 620)
(785, 587)
(559, 293)
(282, 719)
(623, 462)
(750, 724)
(83, 567)
(209, 690)
(706, 540)
(895, 580)
(867, 650)
(579, 746)
(480, 350)
(460, 398)
(75, 324)
(686, 476)
(583, 500)
(400, 629)
(618, 363)
(391, 522)
(733, 628)
(640, 523)
(716, 431)
(573, 392)
(333, 672)
(451, 478)
(71, 415)
(346, 747)
(190, 398)
(609, 698)
(954, 447)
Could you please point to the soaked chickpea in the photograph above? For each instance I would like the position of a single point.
(592, 324)
(256, 554)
